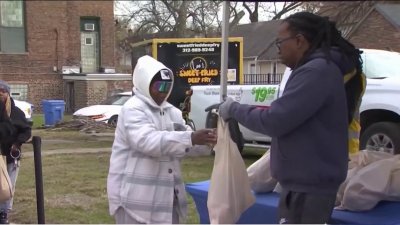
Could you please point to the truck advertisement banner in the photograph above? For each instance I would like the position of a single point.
(198, 63)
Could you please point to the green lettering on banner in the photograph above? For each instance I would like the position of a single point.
(262, 94)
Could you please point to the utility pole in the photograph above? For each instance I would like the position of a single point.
(224, 50)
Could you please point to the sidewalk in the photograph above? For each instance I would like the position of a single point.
(194, 153)
(69, 151)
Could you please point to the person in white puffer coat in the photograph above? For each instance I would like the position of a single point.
(144, 183)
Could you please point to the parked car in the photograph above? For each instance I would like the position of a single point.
(26, 107)
(380, 106)
(107, 111)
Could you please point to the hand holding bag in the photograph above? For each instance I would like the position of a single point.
(5, 182)
(230, 193)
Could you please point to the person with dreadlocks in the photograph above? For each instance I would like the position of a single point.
(11, 144)
(309, 122)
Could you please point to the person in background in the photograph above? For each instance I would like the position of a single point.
(309, 122)
(6, 128)
(11, 144)
(144, 183)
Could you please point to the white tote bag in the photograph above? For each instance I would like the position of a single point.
(357, 162)
(6, 190)
(229, 193)
(260, 175)
(371, 184)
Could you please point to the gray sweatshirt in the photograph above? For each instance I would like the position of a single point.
(308, 125)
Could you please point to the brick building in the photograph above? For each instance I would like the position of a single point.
(379, 29)
(56, 50)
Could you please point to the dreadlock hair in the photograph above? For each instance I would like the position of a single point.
(322, 34)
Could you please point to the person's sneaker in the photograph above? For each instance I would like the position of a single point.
(3, 218)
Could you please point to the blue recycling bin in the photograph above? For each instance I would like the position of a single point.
(53, 111)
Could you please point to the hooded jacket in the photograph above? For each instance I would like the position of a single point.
(20, 133)
(145, 175)
(308, 125)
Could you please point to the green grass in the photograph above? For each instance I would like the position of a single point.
(75, 187)
(38, 120)
(74, 190)
(75, 184)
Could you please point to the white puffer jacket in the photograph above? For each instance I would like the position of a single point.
(145, 161)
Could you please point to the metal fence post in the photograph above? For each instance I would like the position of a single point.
(37, 157)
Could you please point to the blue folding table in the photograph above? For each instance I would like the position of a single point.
(264, 211)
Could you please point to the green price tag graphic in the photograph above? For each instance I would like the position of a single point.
(263, 93)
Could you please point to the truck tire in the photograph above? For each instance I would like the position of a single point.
(382, 136)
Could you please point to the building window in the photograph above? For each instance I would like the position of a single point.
(252, 68)
(12, 29)
(90, 44)
(88, 41)
(19, 91)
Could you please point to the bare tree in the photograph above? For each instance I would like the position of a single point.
(274, 10)
(253, 13)
(287, 7)
(174, 16)
(205, 17)
(187, 18)
(312, 7)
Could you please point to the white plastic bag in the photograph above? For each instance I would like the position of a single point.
(260, 175)
(358, 161)
(371, 184)
(229, 193)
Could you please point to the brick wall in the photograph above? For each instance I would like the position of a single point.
(98, 91)
(80, 96)
(377, 33)
(87, 91)
(53, 40)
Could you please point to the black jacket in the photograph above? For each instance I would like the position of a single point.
(21, 132)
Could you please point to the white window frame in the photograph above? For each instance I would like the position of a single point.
(12, 32)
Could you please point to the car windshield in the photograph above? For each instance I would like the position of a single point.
(380, 64)
(116, 100)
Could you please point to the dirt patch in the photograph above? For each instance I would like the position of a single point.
(71, 200)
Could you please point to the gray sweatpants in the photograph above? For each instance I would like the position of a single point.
(305, 208)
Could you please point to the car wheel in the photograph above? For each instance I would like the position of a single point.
(113, 120)
(382, 136)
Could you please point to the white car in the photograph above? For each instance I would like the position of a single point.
(25, 107)
(380, 106)
(107, 111)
